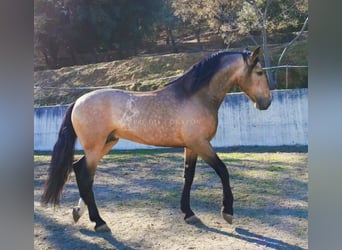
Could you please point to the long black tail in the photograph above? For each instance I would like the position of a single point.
(61, 161)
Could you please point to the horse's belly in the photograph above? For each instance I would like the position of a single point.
(149, 136)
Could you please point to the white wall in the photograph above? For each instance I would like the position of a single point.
(285, 122)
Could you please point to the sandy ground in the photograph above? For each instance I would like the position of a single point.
(138, 195)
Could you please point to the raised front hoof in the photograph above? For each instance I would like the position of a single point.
(227, 217)
(192, 220)
(75, 214)
(102, 229)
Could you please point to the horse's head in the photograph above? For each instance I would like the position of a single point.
(253, 81)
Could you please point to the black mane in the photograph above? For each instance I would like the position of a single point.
(200, 74)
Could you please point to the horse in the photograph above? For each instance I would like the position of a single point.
(183, 114)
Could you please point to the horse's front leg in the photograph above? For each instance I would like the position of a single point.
(85, 181)
(207, 153)
(190, 159)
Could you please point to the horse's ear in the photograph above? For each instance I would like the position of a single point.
(254, 55)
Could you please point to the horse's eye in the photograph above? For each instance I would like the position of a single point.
(260, 73)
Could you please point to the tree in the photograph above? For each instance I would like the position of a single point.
(47, 32)
(76, 27)
(168, 22)
(193, 13)
(223, 18)
(136, 21)
(262, 17)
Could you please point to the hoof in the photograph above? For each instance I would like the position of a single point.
(102, 229)
(79, 210)
(227, 217)
(192, 220)
(75, 214)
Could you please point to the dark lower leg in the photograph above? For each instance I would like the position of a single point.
(189, 172)
(207, 153)
(221, 170)
(85, 185)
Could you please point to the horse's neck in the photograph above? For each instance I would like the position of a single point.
(218, 88)
(211, 94)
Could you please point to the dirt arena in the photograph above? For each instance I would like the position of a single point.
(138, 195)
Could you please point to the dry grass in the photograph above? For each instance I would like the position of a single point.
(142, 73)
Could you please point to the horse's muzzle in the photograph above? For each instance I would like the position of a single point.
(263, 103)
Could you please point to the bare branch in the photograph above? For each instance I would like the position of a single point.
(253, 39)
(293, 40)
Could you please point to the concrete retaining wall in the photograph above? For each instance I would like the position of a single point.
(240, 124)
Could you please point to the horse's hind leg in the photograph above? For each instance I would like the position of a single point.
(85, 170)
(85, 180)
(190, 159)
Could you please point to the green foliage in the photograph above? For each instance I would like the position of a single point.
(273, 15)
(91, 26)
(193, 13)
(78, 32)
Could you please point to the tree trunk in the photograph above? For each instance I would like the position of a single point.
(198, 35)
(267, 56)
(267, 59)
(171, 37)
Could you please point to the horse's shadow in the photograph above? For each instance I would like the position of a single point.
(106, 236)
(57, 230)
(243, 234)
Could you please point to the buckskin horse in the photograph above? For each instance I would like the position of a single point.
(183, 113)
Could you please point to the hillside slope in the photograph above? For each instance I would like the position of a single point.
(142, 73)
(139, 73)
